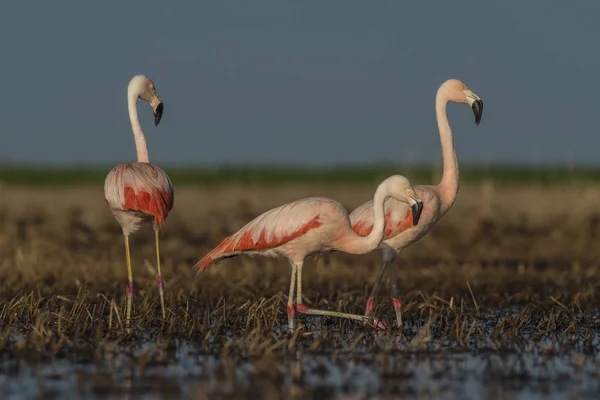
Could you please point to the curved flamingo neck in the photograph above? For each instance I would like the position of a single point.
(356, 244)
(448, 186)
(140, 140)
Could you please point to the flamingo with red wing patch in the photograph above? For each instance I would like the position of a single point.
(140, 192)
(308, 226)
(437, 199)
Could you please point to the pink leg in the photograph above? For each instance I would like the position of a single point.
(373, 321)
(303, 309)
(290, 304)
(160, 278)
(397, 308)
(376, 286)
(129, 294)
(397, 304)
(129, 284)
(161, 284)
(369, 306)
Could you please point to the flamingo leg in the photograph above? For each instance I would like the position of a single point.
(290, 304)
(370, 301)
(129, 285)
(397, 304)
(160, 278)
(305, 310)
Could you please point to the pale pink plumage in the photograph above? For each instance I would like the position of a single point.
(140, 192)
(437, 200)
(307, 226)
(291, 222)
(398, 219)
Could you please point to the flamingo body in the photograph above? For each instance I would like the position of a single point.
(295, 230)
(437, 200)
(312, 225)
(399, 229)
(138, 192)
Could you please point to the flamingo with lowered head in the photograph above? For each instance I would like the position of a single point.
(311, 225)
(437, 200)
(140, 192)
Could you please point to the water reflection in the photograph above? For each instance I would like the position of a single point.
(184, 371)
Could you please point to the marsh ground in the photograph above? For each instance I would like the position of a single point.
(501, 300)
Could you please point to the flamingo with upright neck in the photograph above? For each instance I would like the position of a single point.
(437, 200)
(140, 192)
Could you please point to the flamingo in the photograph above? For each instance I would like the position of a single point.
(140, 192)
(437, 200)
(310, 225)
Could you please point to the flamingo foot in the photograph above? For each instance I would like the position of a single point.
(302, 308)
(376, 323)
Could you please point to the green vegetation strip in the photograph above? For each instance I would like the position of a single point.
(267, 175)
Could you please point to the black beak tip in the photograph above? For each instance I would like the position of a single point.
(477, 110)
(158, 114)
(416, 212)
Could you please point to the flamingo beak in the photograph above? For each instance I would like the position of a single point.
(477, 107)
(158, 113)
(416, 206)
(416, 212)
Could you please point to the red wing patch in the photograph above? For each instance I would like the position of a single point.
(363, 228)
(243, 241)
(402, 225)
(155, 203)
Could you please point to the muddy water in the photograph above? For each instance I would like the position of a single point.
(414, 366)
(465, 375)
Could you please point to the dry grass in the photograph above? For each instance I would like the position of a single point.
(504, 270)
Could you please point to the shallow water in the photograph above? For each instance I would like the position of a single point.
(462, 375)
(540, 368)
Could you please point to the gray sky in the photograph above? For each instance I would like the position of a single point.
(303, 82)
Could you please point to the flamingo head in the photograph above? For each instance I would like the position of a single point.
(458, 92)
(401, 189)
(145, 89)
